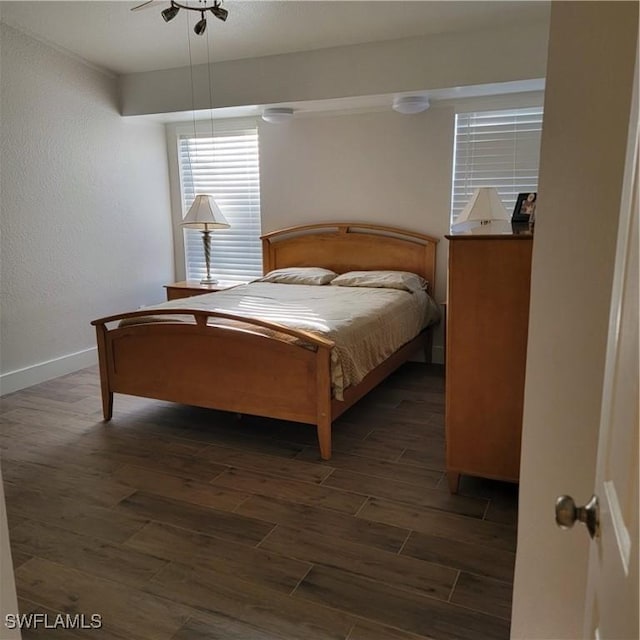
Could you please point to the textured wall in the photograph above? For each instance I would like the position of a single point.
(371, 167)
(85, 219)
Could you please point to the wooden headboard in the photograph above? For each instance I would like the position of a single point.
(353, 246)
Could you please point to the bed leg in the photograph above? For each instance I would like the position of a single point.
(323, 401)
(107, 405)
(107, 394)
(324, 438)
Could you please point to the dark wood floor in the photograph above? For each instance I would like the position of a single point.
(174, 522)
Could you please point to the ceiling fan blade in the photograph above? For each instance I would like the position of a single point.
(145, 5)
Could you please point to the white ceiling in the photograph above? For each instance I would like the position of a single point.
(109, 35)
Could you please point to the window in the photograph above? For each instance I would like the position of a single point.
(498, 149)
(226, 166)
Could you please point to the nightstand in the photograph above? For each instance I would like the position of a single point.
(188, 288)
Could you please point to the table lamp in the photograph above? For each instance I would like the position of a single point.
(484, 207)
(205, 215)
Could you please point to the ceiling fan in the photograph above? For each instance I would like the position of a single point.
(145, 5)
(202, 5)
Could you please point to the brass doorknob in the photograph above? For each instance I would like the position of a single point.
(567, 514)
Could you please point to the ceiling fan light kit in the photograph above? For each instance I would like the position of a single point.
(201, 25)
(169, 13)
(202, 6)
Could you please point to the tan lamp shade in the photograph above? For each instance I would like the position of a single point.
(205, 214)
(485, 206)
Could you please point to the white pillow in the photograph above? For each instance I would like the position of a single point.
(404, 280)
(299, 275)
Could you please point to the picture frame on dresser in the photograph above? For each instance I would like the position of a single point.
(525, 208)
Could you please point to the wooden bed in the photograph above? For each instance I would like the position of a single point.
(235, 369)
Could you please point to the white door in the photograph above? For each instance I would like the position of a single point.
(611, 607)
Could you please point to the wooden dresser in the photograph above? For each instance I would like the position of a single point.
(486, 343)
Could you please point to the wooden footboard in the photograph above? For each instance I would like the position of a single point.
(229, 368)
(242, 369)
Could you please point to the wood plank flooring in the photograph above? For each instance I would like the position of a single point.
(180, 523)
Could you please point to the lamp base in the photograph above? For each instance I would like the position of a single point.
(208, 281)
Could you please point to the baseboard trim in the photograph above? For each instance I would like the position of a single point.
(27, 377)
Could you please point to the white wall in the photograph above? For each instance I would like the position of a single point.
(85, 225)
(592, 52)
(410, 64)
(371, 167)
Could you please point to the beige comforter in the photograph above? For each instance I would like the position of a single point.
(366, 324)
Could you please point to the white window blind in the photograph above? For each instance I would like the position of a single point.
(498, 149)
(225, 166)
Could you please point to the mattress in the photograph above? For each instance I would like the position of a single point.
(366, 324)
